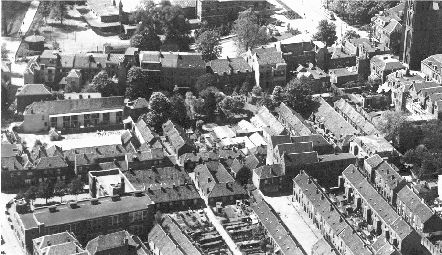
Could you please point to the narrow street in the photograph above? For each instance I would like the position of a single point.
(11, 245)
(296, 220)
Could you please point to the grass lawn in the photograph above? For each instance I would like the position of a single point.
(13, 13)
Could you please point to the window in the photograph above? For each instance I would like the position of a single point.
(119, 117)
(115, 220)
(66, 121)
(53, 122)
(106, 118)
(135, 216)
(28, 181)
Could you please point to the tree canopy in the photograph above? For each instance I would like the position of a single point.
(249, 34)
(60, 11)
(326, 33)
(146, 39)
(103, 83)
(137, 84)
(208, 44)
(349, 34)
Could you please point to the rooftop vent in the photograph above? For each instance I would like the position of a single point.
(73, 205)
(52, 208)
(115, 198)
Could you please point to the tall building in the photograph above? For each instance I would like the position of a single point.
(423, 31)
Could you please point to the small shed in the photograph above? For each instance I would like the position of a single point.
(35, 42)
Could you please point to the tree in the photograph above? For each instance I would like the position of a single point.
(231, 104)
(178, 112)
(146, 40)
(60, 11)
(5, 52)
(249, 33)
(60, 189)
(137, 84)
(45, 190)
(55, 44)
(326, 33)
(76, 186)
(45, 9)
(159, 103)
(103, 84)
(245, 88)
(391, 123)
(350, 34)
(208, 44)
(257, 91)
(204, 81)
(299, 97)
(155, 120)
(31, 193)
(210, 101)
(278, 95)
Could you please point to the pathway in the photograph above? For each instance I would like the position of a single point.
(303, 230)
(212, 217)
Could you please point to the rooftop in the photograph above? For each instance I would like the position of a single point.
(157, 178)
(75, 106)
(34, 89)
(174, 193)
(348, 110)
(415, 204)
(108, 242)
(266, 121)
(374, 143)
(186, 60)
(376, 202)
(84, 210)
(294, 120)
(276, 229)
(229, 66)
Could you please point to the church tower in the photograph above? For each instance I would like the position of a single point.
(423, 31)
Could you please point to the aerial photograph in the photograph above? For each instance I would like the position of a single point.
(221, 127)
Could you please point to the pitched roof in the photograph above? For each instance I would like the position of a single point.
(279, 139)
(103, 243)
(146, 133)
(229, 66)
(276, 229)
(387, 62)
(288, 148)
(157, 178)
(74, 106)
(34, 89)
(266, 121)
(316, 139)
(415, 204)
(269, 171)
(54, 239)
(269, 57)
(64, 249)
(50, 162)
(376, 202)
(356, 117)
(294, 120)
(333, 120)
(174, 193)
(170, 239)
(303, 158)
(391, 27)
(322, 205)
(176, 135)
(74, 73)
(435, 60)
(186, 60)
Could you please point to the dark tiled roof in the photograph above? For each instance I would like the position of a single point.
(303, 158)
(73, 106)
(67, 60)
(103, 151)
(34, 89)
(174, 194)
(436, 61)
(356, 117)
(50, 162)
(170, 239)
(145, 131)
(294, 120)
(391, 177)
(343, 72)
(415, 204)
(111, 241)
(336, 157)
(276, 229)
(184, 60)
(376, 202)
(195, 157)
(374, 160)
(269, 57)
(157, 178)
(333, 120)
(177, 135)
(229, 66)
(269, 171)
